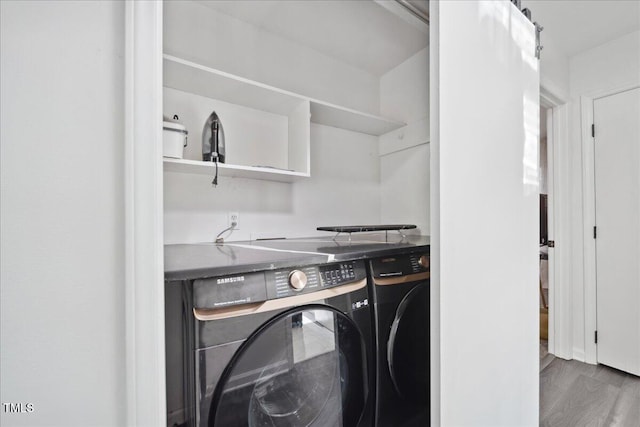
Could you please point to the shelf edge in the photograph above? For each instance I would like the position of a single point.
(238, 171)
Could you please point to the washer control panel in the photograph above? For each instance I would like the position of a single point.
(337, 274)
(296, 281)
(260, 286)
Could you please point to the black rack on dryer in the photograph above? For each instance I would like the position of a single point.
(339, 229)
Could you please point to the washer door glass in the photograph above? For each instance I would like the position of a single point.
(408, 346)
(316, 378)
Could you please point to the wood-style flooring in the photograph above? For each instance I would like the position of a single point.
(578, 394)
(545, 357)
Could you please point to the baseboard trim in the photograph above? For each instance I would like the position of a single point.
(579, 355)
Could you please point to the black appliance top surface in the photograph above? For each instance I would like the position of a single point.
(361, 228)
(203, 260)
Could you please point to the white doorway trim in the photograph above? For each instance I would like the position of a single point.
(560, 308)
(589, 215)
(144, 269)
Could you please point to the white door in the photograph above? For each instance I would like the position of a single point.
(485, 214)
(617, 184)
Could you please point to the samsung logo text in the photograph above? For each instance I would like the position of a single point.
(234, 279)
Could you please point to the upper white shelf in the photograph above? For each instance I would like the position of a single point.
(191, 77)
(237, 171)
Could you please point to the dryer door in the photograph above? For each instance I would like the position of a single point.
(317, 378)
(408, 346)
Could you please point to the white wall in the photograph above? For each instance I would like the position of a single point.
(62, 292)
(608, 67)
(554, 62)
(343, 189)
(404, 153)
(196, 32)
(542, 155)
(554, 68)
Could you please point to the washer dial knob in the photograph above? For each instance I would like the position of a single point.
(423, 262)
(297, 280)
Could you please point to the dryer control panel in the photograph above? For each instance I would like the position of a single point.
(400, 265)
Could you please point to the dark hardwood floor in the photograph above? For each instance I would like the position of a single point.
(578, 394)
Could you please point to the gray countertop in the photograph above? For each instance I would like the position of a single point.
(202, 260)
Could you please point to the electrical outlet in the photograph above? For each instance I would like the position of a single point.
(234, 217)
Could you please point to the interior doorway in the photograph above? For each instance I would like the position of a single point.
(554, 173)
(545, 173)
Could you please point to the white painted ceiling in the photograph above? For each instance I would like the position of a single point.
(379, 42)
(382, 40)
(579, 25)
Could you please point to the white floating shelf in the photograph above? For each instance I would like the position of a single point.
(195, 78)
(344, 118)
(224, 169)
(201, 80)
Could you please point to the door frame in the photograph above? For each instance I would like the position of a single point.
(589, 216)
(558, 167)
(143, 213)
